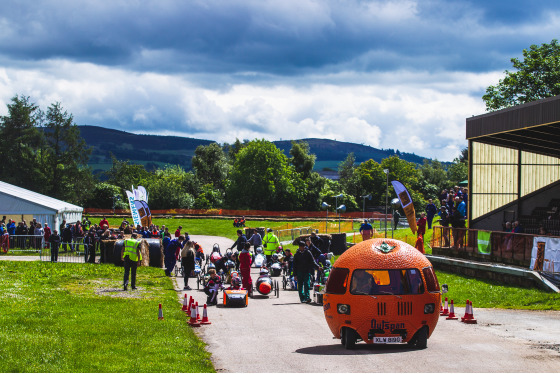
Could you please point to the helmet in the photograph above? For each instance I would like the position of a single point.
(216, 247)
(264, 271)
(274, 257)
(230, 264)
(211, 266)
(328, 263)
(235, 281)
(279, 249)
(229, 253)
(259, 250)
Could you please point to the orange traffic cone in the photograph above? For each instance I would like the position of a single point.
(193, 322)
(469, 317)
(445, 311)
(441, 307)
(191, 302)
(466, 316)
(452, 312)
(205, 317)
(160, 312)
(197, 311)
(185, 307)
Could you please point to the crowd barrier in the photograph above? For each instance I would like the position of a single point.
(505, 247)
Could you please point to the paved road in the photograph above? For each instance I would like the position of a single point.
(283, 335)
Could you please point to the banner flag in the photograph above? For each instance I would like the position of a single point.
(545, 255)
(138, 201)
(406, 203)
(133, 210)
(483, 242)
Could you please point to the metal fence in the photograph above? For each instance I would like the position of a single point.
(70, 251)
(505, 247)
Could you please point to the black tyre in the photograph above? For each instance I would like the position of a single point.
(198, 283)
(420, 339)
(348, 338)
(284, 282)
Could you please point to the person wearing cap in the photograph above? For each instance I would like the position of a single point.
(304, 265)
(270, 244)
(130, 254)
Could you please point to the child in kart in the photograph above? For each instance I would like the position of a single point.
(212, 287)
(288, 262)
(235, 284)
(199, 253)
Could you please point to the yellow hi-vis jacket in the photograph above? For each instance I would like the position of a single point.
(270, 243)
(130, 248)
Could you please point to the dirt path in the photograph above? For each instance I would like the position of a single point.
(283, 335)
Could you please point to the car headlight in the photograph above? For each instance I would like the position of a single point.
(343, 308)
(429, 308)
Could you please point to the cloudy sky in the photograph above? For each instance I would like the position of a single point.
(400, 74)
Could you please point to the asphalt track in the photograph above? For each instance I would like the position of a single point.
(282, 335)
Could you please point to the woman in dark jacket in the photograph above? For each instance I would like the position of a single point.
(187, 260)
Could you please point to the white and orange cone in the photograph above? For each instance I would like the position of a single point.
(452, 311)
(193, 322)
(185, 307)
(197, 311)
(445, 311)
(160, 313)
(469, 315)
(205, 320)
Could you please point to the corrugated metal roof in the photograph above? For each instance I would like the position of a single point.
(37, 198)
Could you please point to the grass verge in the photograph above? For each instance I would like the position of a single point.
(75, 318)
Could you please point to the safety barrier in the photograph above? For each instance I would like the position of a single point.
(506, 247)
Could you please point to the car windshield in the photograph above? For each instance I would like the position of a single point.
(386, 282)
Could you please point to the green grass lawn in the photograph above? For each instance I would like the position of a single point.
(74, 318)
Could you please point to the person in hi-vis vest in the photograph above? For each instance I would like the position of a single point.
(270, 243)
(130, 254)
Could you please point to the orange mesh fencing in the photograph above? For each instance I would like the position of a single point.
(240, 213)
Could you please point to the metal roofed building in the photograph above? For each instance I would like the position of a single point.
(19, 204)
(514, 162)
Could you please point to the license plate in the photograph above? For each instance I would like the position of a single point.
(386, 339)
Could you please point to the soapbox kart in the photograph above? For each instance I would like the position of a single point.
(265, 285)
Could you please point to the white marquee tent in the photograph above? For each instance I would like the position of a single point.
(17, 203)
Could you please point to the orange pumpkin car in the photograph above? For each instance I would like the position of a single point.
(382, 291)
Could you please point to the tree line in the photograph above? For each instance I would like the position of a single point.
(44, 152)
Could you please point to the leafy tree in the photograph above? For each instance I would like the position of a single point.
(233, 150)
(371, 180)
(210, 165)
(209, 197)
(537, 77)
(169, 188)
(301, 159)
(433, 179)
(22, 145)
(262, 179)
(346, 167)
(102, 197)
(407, 173)
(125, 175)
(457, 172)
(67, 155)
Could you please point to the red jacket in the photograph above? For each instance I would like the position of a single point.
(421, 223)
(244, 260)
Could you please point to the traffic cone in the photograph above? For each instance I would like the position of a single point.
(205, 317)
(466, 316)
(160, 312)
(197, 311)
(445, 309)
(193, 322)
(191, 302)
(470, 319)
(185, 307)
(441, 307)
(452, 312)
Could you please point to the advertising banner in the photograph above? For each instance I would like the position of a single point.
(406, 203)
(545, 255)
(483, 242)
(138, 201)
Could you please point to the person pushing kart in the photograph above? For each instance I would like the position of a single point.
(245, 261)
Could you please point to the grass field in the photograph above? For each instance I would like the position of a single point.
(74, 318)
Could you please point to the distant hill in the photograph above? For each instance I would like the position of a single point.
(155, 151)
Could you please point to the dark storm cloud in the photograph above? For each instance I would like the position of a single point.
(271, 37)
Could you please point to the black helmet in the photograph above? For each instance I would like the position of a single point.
(216, 247)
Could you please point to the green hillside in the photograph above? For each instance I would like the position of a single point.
(155, 151)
